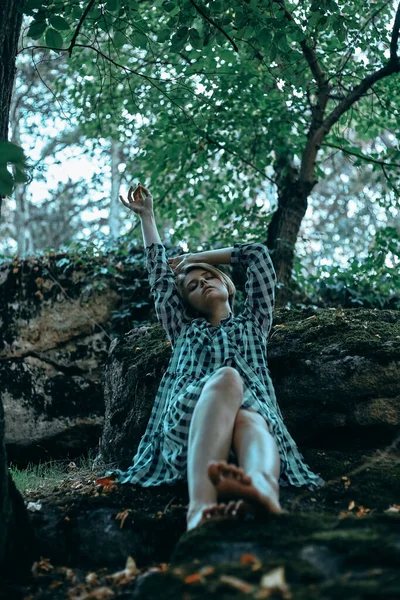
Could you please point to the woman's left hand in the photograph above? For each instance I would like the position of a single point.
(178, 262)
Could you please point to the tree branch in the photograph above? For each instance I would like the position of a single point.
(77, 30)
(315, 140)
(210, 20)
(362, 156)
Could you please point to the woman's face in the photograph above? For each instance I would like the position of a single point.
(205, 291)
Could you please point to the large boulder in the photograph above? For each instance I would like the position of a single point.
(56, 323)
(336, 375)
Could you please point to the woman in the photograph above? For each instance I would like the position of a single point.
(216, 400)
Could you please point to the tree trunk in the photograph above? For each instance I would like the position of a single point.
(283, 231)
(10, 27)
(15, 530)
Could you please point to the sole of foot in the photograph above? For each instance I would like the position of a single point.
(231, 482)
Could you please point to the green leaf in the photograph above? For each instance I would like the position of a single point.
(53, 39)
(33, 4)
(168, 5)
(119, 39)
(11, 153)
(179, 39)
(163, 35)
(6, 181)
(20, 176)
(59, 23)
(140, 39)
(195, 39)
(37, 29)
(113, 5)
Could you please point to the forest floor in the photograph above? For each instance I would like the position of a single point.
(100, 541)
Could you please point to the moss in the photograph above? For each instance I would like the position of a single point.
(329, 331)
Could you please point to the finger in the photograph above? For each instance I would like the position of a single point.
(124, 202)
(145, 189)
(130, 194)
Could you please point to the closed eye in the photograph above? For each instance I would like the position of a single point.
(192, 286)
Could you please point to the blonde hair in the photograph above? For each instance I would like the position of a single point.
(180, 277)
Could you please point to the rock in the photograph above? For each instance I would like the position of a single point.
(17, 540)
(52, 346)
(132, 374)
(336, 375)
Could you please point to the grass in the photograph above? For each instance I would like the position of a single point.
(45, 476)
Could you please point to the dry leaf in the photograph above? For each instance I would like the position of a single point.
(92, 579)
(125, 576)
(193, 578)
(394, 508)
(237, 583)
(346, 481)
(107, 480)
(43, 566)
(275, 582)
(122, 516)
(251, 559)
(351, 505)
(362, 511)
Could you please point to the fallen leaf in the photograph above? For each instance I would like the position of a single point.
(251, 559)
(351, 505)
(92, 579)
(346, 481)
(394, 508)
(107, 480)
(343, 515)
(362, 511)
(122, 516)
(125, 576)
(275, 582)
(238, 584)
(42, 566)
(193, 578)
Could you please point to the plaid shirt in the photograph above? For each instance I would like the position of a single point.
(199, 349)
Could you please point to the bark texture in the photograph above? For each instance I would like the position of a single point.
(10, 27)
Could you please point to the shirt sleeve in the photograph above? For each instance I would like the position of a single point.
(169, 307)
(260, 283)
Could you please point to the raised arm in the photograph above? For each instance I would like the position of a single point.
(168, 304)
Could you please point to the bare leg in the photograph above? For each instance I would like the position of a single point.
(257, 477)
(210, 437)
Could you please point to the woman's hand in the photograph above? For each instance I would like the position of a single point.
(141, 206)
(178, 262)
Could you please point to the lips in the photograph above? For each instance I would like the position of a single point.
(206, 289)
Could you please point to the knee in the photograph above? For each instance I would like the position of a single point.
(227, 378)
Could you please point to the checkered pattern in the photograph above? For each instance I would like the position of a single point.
(199, 349)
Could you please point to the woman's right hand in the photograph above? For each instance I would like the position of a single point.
(141, 206)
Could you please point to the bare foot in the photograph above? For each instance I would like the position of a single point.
(231, 482)
(235, 509)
